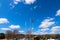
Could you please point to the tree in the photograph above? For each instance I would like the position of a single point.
(2, 35)
(15, 32)
(8, 34)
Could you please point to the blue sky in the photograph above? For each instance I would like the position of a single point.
(39, 16)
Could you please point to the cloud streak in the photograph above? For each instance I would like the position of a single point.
(21, 31)
(47, 23)
(55, 29)
(5, 29)
(14, 26)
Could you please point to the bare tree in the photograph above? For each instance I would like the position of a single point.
(15, 33)
(8, 34)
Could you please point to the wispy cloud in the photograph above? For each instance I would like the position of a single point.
(5, 29)
(58, 13)
(3, 20)
(34, 8)
(47, 23)
(40, 32)
(14, 26)
(24, 1)
(29, 1)
(44, 29)
(16, 1)
(55, 29)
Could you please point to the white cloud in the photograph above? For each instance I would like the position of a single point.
(21, 31)
(55, 29)
(24, 1)
(47, 23)
(14, 26)
(3, 20)
(16, 1)
(40, 32)
(58, 13)
(35, 33)
(29, 1)
(43, 33)
(44, 29)
(5, 29)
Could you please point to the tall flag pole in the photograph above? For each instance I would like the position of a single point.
(25, 25)
(32, 21)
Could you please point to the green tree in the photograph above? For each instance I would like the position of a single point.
(2, 35)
